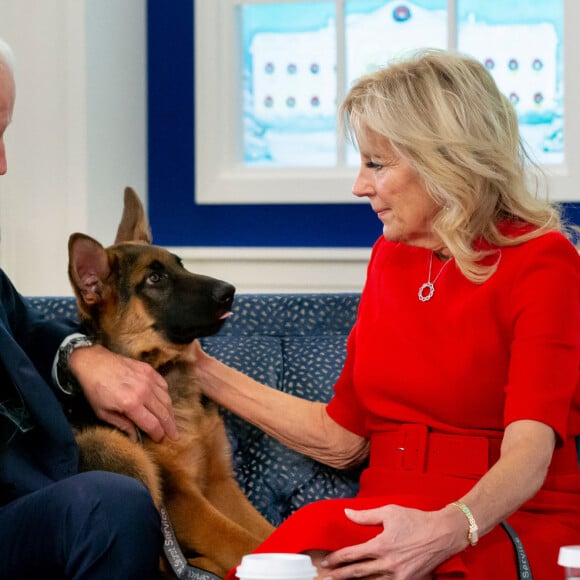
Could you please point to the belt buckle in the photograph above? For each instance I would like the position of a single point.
(413, 446)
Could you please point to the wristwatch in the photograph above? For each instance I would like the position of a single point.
(64, 377)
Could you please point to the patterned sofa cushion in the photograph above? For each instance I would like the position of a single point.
(295, 343)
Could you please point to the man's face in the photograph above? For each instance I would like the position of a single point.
(7, 95)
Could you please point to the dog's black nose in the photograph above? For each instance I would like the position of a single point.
(223, 293)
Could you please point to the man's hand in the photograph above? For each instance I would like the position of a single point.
(124, 392)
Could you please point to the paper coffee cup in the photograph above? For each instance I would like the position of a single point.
(276, 566)
(569, 557)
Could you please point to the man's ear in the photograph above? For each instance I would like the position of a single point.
(88, 268)
(134, 226)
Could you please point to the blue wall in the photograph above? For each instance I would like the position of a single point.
(176, 219)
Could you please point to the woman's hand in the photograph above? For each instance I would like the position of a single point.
(124, 392)
(412, 544)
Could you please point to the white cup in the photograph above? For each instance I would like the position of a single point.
(569, 557)
(276, 566)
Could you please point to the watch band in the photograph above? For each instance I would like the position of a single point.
(473, 532)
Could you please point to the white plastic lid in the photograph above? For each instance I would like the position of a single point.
(569, 556)
(276, 566)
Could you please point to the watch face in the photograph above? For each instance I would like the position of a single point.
(77, 342)
(65, 379)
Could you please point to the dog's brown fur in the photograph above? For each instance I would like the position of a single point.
(137, 300)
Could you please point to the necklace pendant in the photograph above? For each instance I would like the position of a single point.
(426, 291)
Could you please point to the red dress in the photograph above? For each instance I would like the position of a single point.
(441, 379)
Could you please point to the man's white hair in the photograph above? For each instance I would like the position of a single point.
(6, 54)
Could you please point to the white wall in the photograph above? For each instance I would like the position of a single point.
(79, 136)
(78, 133)
(116, 97)
(46, 161)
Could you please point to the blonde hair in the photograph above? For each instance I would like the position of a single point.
(444, 114)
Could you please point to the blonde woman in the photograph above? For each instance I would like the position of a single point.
(461, 383)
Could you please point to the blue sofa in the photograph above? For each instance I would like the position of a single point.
(296, 343)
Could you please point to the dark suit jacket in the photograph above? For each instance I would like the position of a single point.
(37, 446)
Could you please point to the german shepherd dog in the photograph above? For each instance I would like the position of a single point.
(139, 301)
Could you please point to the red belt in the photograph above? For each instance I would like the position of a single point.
(413, 447)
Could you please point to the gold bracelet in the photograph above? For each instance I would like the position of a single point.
(473, 532)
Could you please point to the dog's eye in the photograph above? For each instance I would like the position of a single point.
(154, 278)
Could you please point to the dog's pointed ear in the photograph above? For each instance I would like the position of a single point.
(88, 267)
(134, 226)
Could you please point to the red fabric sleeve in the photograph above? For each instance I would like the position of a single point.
(545, 351)
(345, 407)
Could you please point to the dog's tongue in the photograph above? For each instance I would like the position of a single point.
(226, 315)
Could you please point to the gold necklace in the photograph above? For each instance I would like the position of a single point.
(427, 289)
